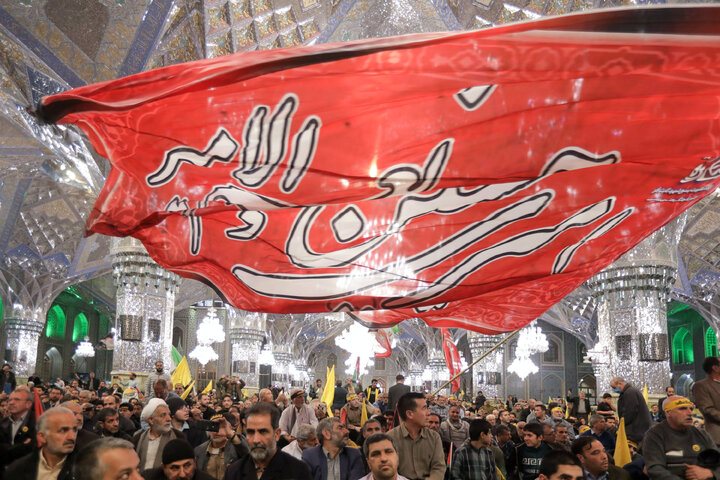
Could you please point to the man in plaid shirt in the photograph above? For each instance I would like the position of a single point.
(475, 461)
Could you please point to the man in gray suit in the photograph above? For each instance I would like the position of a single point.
(707, 397)
(397, 391)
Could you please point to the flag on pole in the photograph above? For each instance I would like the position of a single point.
(329, 390)
(176, 356)
(450, 455)
(182, 373)
(37, 403)
(491, 186)
(363, 414)
(567, 410)
(356, 373)
(452, 358)
(645, 395)
(622, 450)
(208, 388)
(187, 390)
(343, 416)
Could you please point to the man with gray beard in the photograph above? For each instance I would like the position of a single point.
(265, 461)
(150, 443)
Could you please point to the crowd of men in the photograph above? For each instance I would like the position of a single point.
(88, 430)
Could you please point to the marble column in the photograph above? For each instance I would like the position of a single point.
(632, 296)
(487, 374)
(145, 307)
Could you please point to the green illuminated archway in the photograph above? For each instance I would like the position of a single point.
(682, 347)
(80, 328)
(711, 349)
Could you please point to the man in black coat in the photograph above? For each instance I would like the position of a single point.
(340, 397)
(57, 431)
(397, 391)
(263, 432)
(633, 408)
(669, 392)
(178, 461)
(7, 380)
(17, 430)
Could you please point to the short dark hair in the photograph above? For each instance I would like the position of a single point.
(55, 387)
(581, 443)
(541, 407)
(408, 402)
(375, 438)
(435, 415)
(227, 396)
(710, 362)
(534, 428)
(399, 376)
(373, 380)
(105, 413)
(501, 429)
(478, 426)
(264, 408)
(87, 465)
(668, 388)
(368, 421)
(550, 462)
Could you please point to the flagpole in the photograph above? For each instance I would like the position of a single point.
(476, 361)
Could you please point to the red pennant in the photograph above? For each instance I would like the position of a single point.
(452, 358)
(37, 403)
(384, 341)
(470, 179)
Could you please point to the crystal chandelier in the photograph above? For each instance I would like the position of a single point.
(360, 343)
(85, 349)
(531, 340)
(266, 355)
(204, 354)
(209, 331)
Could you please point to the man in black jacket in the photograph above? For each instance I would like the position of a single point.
(397, 391)
(17, 430)
(178, 461)
(265, 461)
(56, 434)
(632, 407)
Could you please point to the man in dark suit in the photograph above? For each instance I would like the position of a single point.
(669, 392)
(17, 430)
(333, 453)
(93, 383)
(397, 391)
(57, 431)
(340, 397)
(707, 397)
(580, 407)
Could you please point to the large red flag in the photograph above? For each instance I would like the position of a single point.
(470, 179)
(37, 403)
(452, 358)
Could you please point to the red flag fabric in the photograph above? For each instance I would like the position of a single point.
(385, 344)
(470, 179)
(343, 416)
(37, 403)
(452, 358)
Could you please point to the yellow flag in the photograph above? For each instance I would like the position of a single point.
(645, 395)
(549, 400)
(329, 391)
(567, 411)
(208, 388)
(363, 415)
(622, 451)
(187, 390)
(181, 374)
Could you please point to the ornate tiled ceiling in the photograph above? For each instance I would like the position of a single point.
(49, 179)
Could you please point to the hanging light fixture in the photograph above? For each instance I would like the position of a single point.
(266, 355)
(360, 343)
(204, 354)
(531, 340)
(209, 331)
(85, 349)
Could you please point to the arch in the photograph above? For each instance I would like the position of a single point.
(103, 326)
(332, 360)
(682, 348)
(55, 362)
(711, 349)
(81, 365)
(554, 352)
(55, 326)
(588, 384)
(684, 385)
(80, 328)
(177, 338)
(552, 386)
